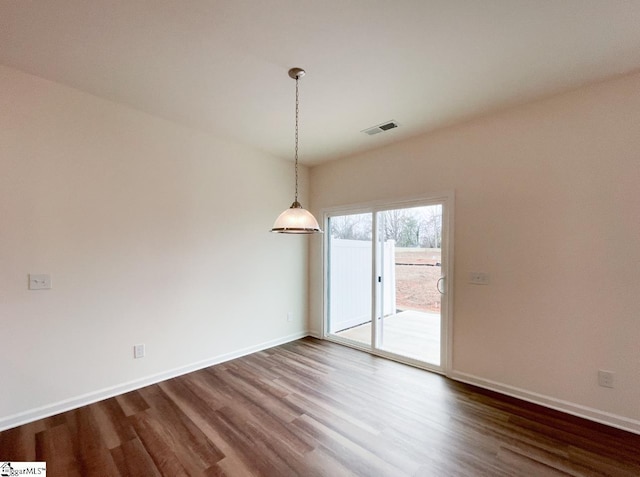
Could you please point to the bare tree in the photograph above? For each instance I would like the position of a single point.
(412, 227)
(393, 223)
(431, 225)
(351, 227)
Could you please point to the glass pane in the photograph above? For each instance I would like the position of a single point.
(350, 242)
(410, 266)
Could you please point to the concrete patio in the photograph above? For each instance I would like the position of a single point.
(413, 334)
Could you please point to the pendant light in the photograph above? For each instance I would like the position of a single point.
(296, 220)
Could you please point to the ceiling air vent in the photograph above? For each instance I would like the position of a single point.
(381, 128)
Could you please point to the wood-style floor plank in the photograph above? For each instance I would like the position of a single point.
(133, 460)
(132, 403)
(19, 443)
(55, 447)
(313, 408)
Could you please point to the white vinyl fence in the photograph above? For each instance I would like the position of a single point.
(350, 282)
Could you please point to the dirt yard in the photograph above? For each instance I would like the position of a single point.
(417, 273)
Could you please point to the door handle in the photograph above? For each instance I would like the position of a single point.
(440, 280)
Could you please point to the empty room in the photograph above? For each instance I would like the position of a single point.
(304, 238)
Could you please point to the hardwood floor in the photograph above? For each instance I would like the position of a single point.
(314, 408)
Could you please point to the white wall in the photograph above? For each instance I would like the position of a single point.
(152, 234)
(548, 203)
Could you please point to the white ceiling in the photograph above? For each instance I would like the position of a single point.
(221, 65)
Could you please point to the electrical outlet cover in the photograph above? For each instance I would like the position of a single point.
(479, 278)
(605, 378)
(138, 351)
(39, 281)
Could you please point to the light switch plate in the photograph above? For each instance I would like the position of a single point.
(39, 281)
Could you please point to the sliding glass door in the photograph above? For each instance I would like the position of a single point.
(386, 280)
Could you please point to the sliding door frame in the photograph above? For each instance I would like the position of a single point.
(447, 200)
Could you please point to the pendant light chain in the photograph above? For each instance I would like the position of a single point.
(296, 220)
(296, 155)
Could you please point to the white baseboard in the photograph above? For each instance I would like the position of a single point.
(613, 420)
(89, 398)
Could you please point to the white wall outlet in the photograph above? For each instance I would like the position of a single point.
(605, 378)
(479, 278)
(290, 316)
(138, 351)
(39, 281)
